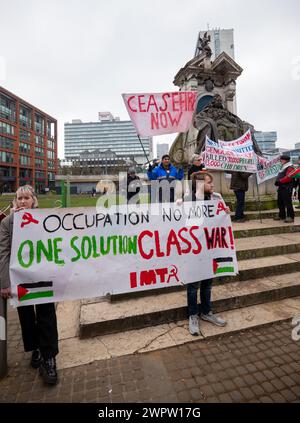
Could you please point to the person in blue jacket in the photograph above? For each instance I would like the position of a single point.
(165, 174)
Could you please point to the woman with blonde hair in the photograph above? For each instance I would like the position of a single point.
(38, 323)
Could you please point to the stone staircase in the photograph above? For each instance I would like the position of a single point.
(268, 253)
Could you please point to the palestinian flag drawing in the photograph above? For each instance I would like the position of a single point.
(31, 291)
(223, 265)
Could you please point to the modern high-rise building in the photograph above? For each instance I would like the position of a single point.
(162, 149)
(28, 145)
(266, 140)
(108, 133)
(220, 40)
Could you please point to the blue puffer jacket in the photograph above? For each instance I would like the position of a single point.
(160, 173)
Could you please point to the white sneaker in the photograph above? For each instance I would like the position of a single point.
(194, 325)
(212, 318)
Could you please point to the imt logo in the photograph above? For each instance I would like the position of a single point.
(296, 330)
(154, 276)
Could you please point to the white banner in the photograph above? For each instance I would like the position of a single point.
(161, 113)
(228, 159)
(244, 144)
(267, 169)
(77, 253)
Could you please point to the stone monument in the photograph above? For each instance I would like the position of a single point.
(215, 114)
(215, 83)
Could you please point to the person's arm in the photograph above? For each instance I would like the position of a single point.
(5, 250)
(152, 171)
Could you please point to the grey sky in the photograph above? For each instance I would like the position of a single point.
(74, 58)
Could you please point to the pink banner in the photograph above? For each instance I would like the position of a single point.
(161, 113)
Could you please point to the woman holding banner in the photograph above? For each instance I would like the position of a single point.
(38, 323)
(198, 179)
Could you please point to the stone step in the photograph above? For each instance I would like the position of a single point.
(75, 351)
(253, 228)
(103, 317)
(265, 266)
(253, 268)
(265, 214)
(268, 245)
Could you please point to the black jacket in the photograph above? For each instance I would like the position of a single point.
(192, 169)
(133, 186)
(239, 181)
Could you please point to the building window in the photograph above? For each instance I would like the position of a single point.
(24, 135)
(24, 148)
(24, 160)
(7, 172)
(39, 174)
(7, 108)
(25, 117)
(39, 151)
(39, 162)
(6, 143)
(51, 164)
(6, 157)
(25, 173)
(50, 144)
(5, 128)
(39, 140)
(39, 124)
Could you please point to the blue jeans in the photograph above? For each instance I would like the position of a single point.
(205, 296)
(240, 204)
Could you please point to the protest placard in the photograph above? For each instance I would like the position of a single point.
(267, 169)
(75, 253)
(161, 113)
(222, 158)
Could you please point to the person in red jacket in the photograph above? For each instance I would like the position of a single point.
(285, 190)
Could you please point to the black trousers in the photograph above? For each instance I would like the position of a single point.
(39, 328)
(285, 204)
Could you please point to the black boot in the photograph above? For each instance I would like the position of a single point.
(36, 359)
(48, 371)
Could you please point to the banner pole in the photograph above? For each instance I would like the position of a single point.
(259, 202)
(3, 338)
(143, 149)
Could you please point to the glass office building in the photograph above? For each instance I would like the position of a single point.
(266, 140)
(109, 133)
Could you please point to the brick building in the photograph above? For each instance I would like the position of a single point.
(28, 145)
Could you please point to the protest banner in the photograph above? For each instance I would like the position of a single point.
(242, 141)
(244, 144)
(228, 159)
(267, 169)
(76, 253)
(161, 113)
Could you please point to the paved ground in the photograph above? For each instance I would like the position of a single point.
(256, 365)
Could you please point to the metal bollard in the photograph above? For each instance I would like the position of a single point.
(3, 337)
